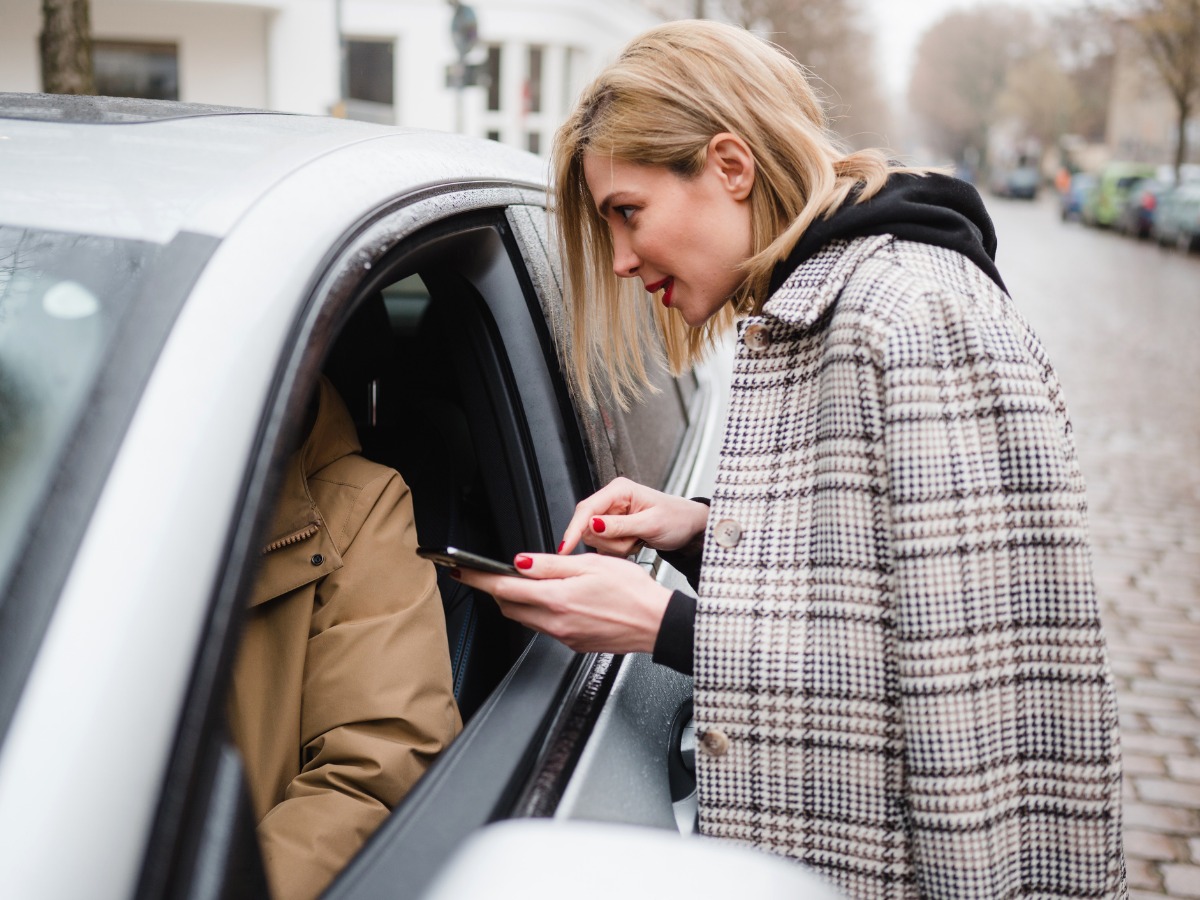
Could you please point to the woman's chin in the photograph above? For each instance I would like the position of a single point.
(695, 318)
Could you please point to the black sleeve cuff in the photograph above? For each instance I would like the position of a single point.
(686, 560)
(676, 642)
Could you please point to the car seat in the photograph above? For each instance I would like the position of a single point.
(403, 405)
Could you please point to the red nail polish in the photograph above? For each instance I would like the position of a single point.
(524, 562)
(455, 574)
(598, 525)
(561, 544)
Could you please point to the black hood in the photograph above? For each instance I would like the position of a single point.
(929, 209)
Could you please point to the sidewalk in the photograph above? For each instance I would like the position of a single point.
(1146, 539)
(1121, 321)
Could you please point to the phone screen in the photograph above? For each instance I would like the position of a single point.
(453, 558)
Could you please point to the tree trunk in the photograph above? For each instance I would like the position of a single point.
(1183, 107)
(66, 44)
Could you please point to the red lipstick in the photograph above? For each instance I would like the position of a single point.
(668, 283)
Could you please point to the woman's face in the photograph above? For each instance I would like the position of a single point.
(685, 237)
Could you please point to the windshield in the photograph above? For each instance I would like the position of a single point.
(62, 297)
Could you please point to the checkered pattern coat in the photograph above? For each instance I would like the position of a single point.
(900, 674)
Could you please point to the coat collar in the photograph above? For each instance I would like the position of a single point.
(810, 290)
(300, 548)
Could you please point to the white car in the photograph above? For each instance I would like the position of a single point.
(173, 280)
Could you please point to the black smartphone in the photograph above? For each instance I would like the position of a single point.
(453, 558)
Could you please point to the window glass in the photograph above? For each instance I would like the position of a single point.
(371, 71)
(492, 71)
(533, 142)
(62, 297)
(134, 69)
(533, 83)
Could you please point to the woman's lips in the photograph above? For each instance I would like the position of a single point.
(668, 284)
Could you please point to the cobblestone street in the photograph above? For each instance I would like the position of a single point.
(1121, 320)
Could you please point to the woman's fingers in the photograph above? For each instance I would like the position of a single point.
(533, 567)
(587, 601)
(550, 565)
(616, 519)
(614, 498)
(621, 535)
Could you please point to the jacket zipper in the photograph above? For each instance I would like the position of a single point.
(296, 537)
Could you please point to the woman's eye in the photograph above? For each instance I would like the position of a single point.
(624, 212)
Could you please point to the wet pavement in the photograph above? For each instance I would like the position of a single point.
(1121, 321)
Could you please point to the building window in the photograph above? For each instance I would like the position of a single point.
(136, 69)
(492, 70)
(371, 71)
(493, 135)
(533, 142)
(533, 83)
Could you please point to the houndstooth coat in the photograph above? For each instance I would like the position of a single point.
(900, 674)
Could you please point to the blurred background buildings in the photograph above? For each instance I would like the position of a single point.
(528, 59)
(984, 86)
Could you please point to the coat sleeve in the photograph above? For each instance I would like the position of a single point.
(1009, 714)
(377, 701)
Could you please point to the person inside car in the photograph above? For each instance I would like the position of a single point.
(341, 694)
(900, 674)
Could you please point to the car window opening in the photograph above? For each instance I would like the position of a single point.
(404, 366)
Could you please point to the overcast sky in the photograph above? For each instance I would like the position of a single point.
(900, 23)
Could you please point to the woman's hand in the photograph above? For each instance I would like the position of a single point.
(623, 515)
(589, 602)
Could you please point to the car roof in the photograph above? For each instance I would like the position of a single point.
(106, 110)
(150, 169)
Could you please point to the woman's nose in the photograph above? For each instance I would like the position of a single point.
(625, 261)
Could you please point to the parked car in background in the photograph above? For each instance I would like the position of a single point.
(174, 281)
(1021, 182)
(1105, 198)
(1070, 201)
(1177, 221)
(1136, 215)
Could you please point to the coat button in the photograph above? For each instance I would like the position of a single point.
(715, 742)
(757, 337)
(727, 533)
(317, 559)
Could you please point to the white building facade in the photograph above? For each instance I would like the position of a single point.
(531, 59)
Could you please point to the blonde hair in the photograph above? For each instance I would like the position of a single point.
(672, 89)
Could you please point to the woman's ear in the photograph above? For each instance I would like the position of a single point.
(733, 163)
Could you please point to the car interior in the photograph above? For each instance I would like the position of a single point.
(409, 371)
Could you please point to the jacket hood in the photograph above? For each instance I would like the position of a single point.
(928, 209)
(297, 519)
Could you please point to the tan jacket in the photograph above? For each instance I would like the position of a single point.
(342, 692)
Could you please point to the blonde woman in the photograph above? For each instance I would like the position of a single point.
(900, 676)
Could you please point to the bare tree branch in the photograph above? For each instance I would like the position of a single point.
(1170, 32)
